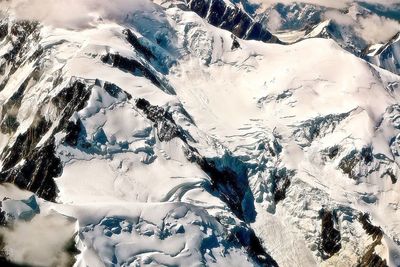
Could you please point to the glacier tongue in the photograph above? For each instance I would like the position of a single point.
(166, 141)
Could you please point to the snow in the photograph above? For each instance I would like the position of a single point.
(139, 201)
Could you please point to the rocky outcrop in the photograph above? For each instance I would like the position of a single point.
(37, 172)
(136, 68)
(281, 182)
(370, 258)
(229, 17)
(293, 16)
(386, 56)
(3, 30)
(34, 167)
(248, 239)
(165, 124)
(21, 35)
(9, 110)
(318, 127)
(359, 164)
(330, 235)
(137, 45)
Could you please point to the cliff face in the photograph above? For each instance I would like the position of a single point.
(386, 56)
(228, 16)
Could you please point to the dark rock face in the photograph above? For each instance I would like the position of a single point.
(296, 16)
(318, 127)
(389, 172)
(20, 34)
(114, 91)
(333, 152)
(387, 56)
(231, 18)
(130, 65)
(235, 43)
(228, 184)
(374, 231)
(136, 68)
(133, 40)
(21, 31)
(281, 179)
(370, 258)
(40, 164)
(25, 143)
(250, 241)
(73, 130)
(353, 159)
(330, 236)
(3, 30)
(37, 172)
(359, 164)
(10, 109)
(165, 124)
(232, 185)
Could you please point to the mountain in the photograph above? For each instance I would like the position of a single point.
(386, 55)
(353, 27)
(167, 136)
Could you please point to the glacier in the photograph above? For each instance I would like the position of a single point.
(168, 138)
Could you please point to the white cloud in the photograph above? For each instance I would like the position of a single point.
(340, 17)
(40, 242)
(274, 21)
(371, 28)
(74, 13)
(327, 3)
(375, 29)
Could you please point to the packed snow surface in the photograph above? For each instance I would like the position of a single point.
(309, 113)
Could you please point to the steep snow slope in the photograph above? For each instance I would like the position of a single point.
(355, 27)
(387, 55)
(172, 143)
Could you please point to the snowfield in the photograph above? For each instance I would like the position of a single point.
(165, 141)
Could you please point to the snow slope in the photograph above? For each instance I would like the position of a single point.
(167, 141)
(358, 26)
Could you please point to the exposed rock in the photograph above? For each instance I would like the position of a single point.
(114, 91)
(231, 18)
(309, 130)
(10, 109)
(165, 124)
(374, 231)
(330, 236)
(71, 97)
(3, 30)
(250, 241)
(333, 152)
(370, 258)
(389, 172)
(359, 164)
(37, 172)
(134, 41)
(73, 129)
(387, 55)
(235, 43)
(136, 68)
(25, 143)
(40, 165)
(21, 34)
(281, 182)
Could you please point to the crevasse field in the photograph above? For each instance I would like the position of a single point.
(139, 134)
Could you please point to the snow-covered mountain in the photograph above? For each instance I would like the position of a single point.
(172, 137)
(357, 27)
(386, 55)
